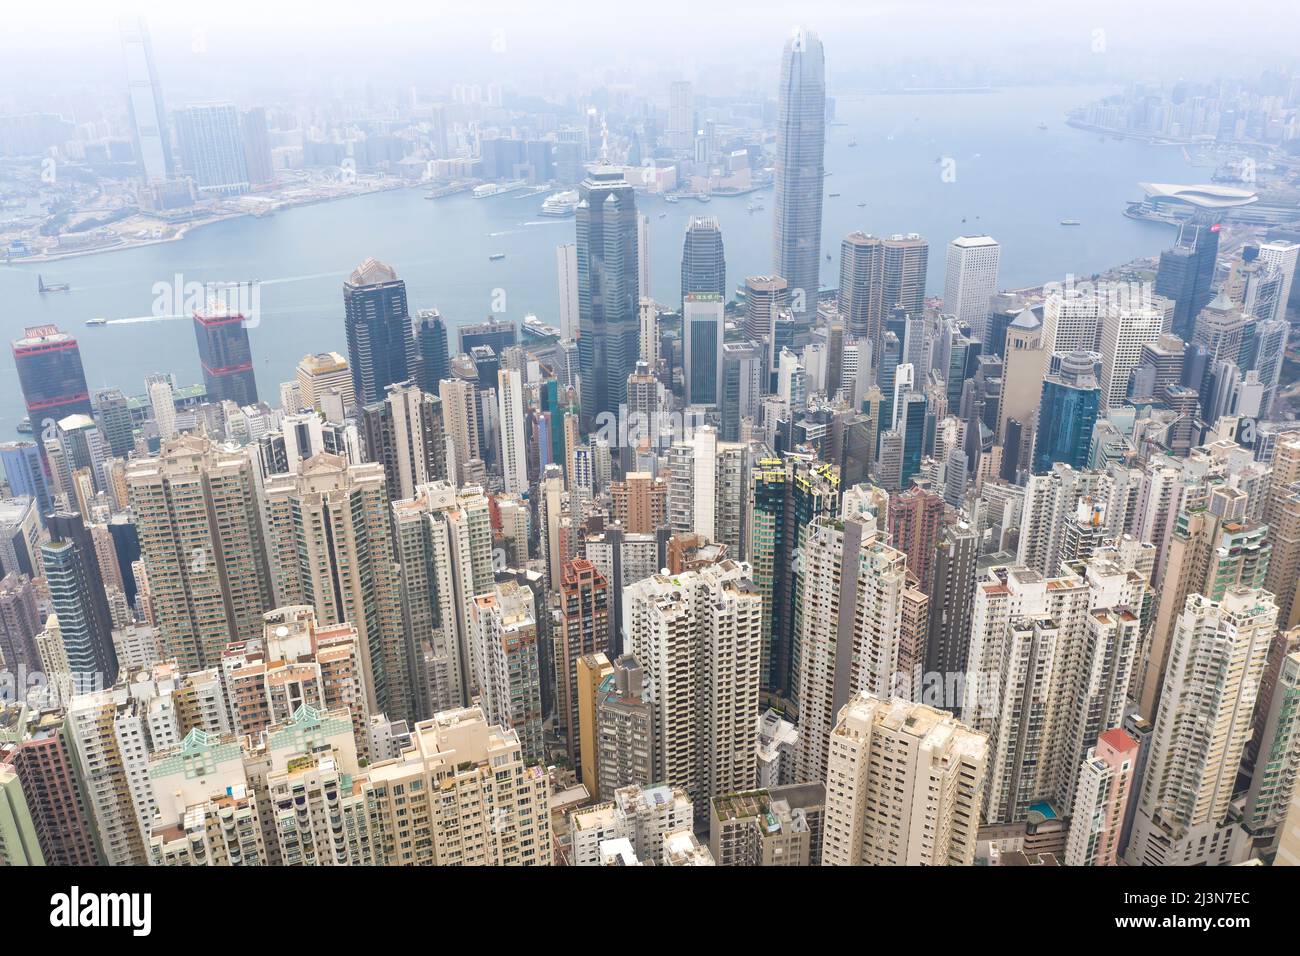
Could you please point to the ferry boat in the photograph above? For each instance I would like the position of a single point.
(561, 204)
(488, 190)
(1070, 222)
(861, 204)
(670, 199)
(97, 321)
(496, 255)
(24, 426)
(833, 195)
(536, 328)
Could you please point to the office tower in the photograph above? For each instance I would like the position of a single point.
(1124, 331)
(784, 497)
(77, 598)
(330, 546)
(1101, 801)
(584, 629)
(404, 433)
(1186, 272)
(862, 286)
(1216, 660)
(257, 147)
(916, 517)
(1072, 321)
(778, 826)
(1283, 255)
(460, 419)
(1220, 328)
(1050, 664)
(608, 293)
(113, 415)
(765, 299)
(905, 261)
(704, 264)
(200, 533)
(702, 334)
(681, 115)
(381, 348)
(514, 443)
(1004, 309)
(910, 424)
(1211, 548)
(1067, 411)
(904, 784)
(20, 531)
(225, 355)
(848, 609)
(36, 751)
(431, 347)
(698, 637)
(1268, 355)
(643, 253)
(505, 634)
(23, 470)
(322, 373)
(50, 376)
(145, 101)
(951, 595)
(498, 335)
(742, 385)
(1273, 784)
(483, 805)
(970, 280)
(212, 147)
(75, 452)
(799, 171)
(566, 263)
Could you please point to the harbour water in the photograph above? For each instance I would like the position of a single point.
(939, 165)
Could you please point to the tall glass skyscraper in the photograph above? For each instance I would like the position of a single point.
(704, 265)
(1187, 270)
(381, 348)
(144, 97)
(1067, 412)
(50, 375)
(609, 331)
(431, 343)
(800, 169)
(225, 355)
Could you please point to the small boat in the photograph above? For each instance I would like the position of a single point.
(97, 321)
(1070, 222)
(24, 426)
(828, 257)
(1042, 126)
(670, 199)
(833, 195)
(753, 207)
(663, 215)
(861, 204)
(496, 255)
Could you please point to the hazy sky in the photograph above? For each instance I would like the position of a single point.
(213, 48)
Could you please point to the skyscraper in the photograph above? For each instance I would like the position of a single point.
(861, 286)
(404, 433)
(566, 265)
(704, 264)
(799, 172)
(1066, 414)
(514, 442)
(225, 355)
(144, 97)
(608, 341)
(1105, 790)
(904, 784)
(381, 349)
(584, 629)
(50, 375)
(1187, 270)
(1124, 331)
(971, 280)
(77, 598)
(702, 335)
(212, 145)
(431, 346)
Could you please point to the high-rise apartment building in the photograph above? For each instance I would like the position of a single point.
(212, 147)
(1105, 790)
(404, 433)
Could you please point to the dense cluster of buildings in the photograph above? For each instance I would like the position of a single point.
(844, 576)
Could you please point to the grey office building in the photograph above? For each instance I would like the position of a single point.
(704, 265)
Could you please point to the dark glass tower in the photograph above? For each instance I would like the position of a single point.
(704, 265)
(77, 597)
(381, 348)
(431, 343)
(607, 292)
(113, 414)
(1186, 272)
(800, 170)
(1066, 413)
(225, 355)
(51, 377)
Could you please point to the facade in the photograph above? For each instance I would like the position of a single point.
(381, 348)
(704, 264)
